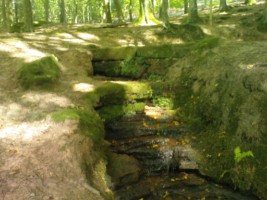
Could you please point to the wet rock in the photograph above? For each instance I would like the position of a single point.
(123, 169)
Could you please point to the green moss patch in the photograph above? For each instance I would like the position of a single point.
(112, 93)
(110, 113)
(42, 72)
(89, 121)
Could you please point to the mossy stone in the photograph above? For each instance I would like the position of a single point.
(42, 72)
(117, 93)
(110, 113)
(89, 121)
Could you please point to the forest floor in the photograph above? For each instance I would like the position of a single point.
(26, 131)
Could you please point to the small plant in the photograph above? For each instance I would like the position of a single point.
(241, 155)
(163, 102)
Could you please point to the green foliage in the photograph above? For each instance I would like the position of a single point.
(89, 121)
(42, 72)
(154, 77)
(110, 113)
(133, 67)
(241, 155)
(66, 114)
(164, 102)
(208, 43)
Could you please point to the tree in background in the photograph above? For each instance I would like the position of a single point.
(62, 13)
(119, 10)
(185, 6)
(46, 10)
(164, 10)
(193, 13)
(145, 13)
(106, 15)
(223, 6)
(6, 14)
(28, 22)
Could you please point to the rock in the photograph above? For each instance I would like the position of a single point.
(77, 62)
(123, 169)
(113, 53)
(120, 92)
(42, 72)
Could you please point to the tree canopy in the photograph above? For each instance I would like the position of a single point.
(24, 14)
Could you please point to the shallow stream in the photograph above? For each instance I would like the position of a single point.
(165, 161)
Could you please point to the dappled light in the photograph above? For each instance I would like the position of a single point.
(24, 131)
(87, 36)
(17, 48)
(46, 100)
(83, 87)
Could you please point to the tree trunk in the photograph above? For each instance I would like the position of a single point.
(131, 10)
(62, 15)
(145, 14)
(16, 17)
(75, 13)
(153, 6)
(119, 10)
(28, 22)
(185, 6)
(223, 6)
(46, 10)
(4, 16)
(107, 11)
(193, 13)
(164, 9)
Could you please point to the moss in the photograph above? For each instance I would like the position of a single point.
(110, 113)
(42, 72)
(66, 114)
(119, 93)
(207, 43)
(89, 121)
(133, 67)
(164, 102)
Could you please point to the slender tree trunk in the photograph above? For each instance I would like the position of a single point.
(131, 10)
(164, 9)
(153, 6)
(75, 13)
(210, 14)
(119, 10)
(4, 15)
(223, 6)
(193, 13)
(28, 22)
(16, 18)
(186, 6)
(62, 15)
(46, 10)
(107, 11)
(9, 14)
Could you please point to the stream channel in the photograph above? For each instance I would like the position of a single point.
(153, 160)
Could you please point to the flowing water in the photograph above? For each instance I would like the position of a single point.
(168, 169)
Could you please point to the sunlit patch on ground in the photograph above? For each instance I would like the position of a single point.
(46, 99)
(24, 131)
(83, 87)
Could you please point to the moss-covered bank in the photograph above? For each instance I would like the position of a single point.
(223, 96)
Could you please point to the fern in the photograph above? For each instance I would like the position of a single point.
(241, 155)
